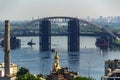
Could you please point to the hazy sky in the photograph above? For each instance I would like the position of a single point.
(26, 9)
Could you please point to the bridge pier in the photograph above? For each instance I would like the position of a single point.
(73, 35)
(45, 35)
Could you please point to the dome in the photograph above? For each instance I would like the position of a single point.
(56, 64)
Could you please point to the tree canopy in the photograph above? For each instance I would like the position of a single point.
(83, 78)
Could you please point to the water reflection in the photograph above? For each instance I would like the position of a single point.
(115, 48)
(45, 62)
(73, 61)
(89, 61)
(103, 51)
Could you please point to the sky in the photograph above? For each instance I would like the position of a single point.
(26, 9)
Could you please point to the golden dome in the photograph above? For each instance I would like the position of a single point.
(56, 65)
(56, 55)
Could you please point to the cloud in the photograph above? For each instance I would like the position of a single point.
(26, 9)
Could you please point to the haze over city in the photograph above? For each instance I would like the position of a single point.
(26, 9)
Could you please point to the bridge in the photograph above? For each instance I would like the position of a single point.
(73, 31)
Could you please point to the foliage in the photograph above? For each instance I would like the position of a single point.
(28, 77)
(117, 41)
(23, 74)
(22, 71)
(40, 75)
(83, 78)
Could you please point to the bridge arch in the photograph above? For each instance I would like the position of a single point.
(72, 22)
(56, 17)
(80, 20)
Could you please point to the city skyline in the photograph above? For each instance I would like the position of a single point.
(26, 9)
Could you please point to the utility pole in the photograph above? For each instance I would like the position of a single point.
(7, 49)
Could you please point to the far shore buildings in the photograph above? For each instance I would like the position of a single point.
(60, 73)
(112, 70)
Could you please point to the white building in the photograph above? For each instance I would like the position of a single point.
(13, 69)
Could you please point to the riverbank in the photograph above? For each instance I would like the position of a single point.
(63, 34)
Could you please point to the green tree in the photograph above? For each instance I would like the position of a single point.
(22, 71)
(23, 74)
(40, 75)
(83, 78)
(28, 77)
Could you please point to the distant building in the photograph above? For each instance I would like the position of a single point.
(14, 42)
(112, 70)
(13, 70)
(59, 73)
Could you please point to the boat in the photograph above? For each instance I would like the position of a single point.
(31, 43)
(102, 42)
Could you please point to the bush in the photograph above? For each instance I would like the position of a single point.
(22, 71)
(23, 74)
(28, 77)
(83, 78)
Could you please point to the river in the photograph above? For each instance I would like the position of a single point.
(89, 61)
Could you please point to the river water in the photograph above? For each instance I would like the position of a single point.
(88, 62)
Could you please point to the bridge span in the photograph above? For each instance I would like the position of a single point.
(73, 32)
(80, 21)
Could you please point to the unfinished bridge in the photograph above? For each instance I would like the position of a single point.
(73, 31)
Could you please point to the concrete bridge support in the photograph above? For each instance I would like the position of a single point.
(45, 35)
(73, 35)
